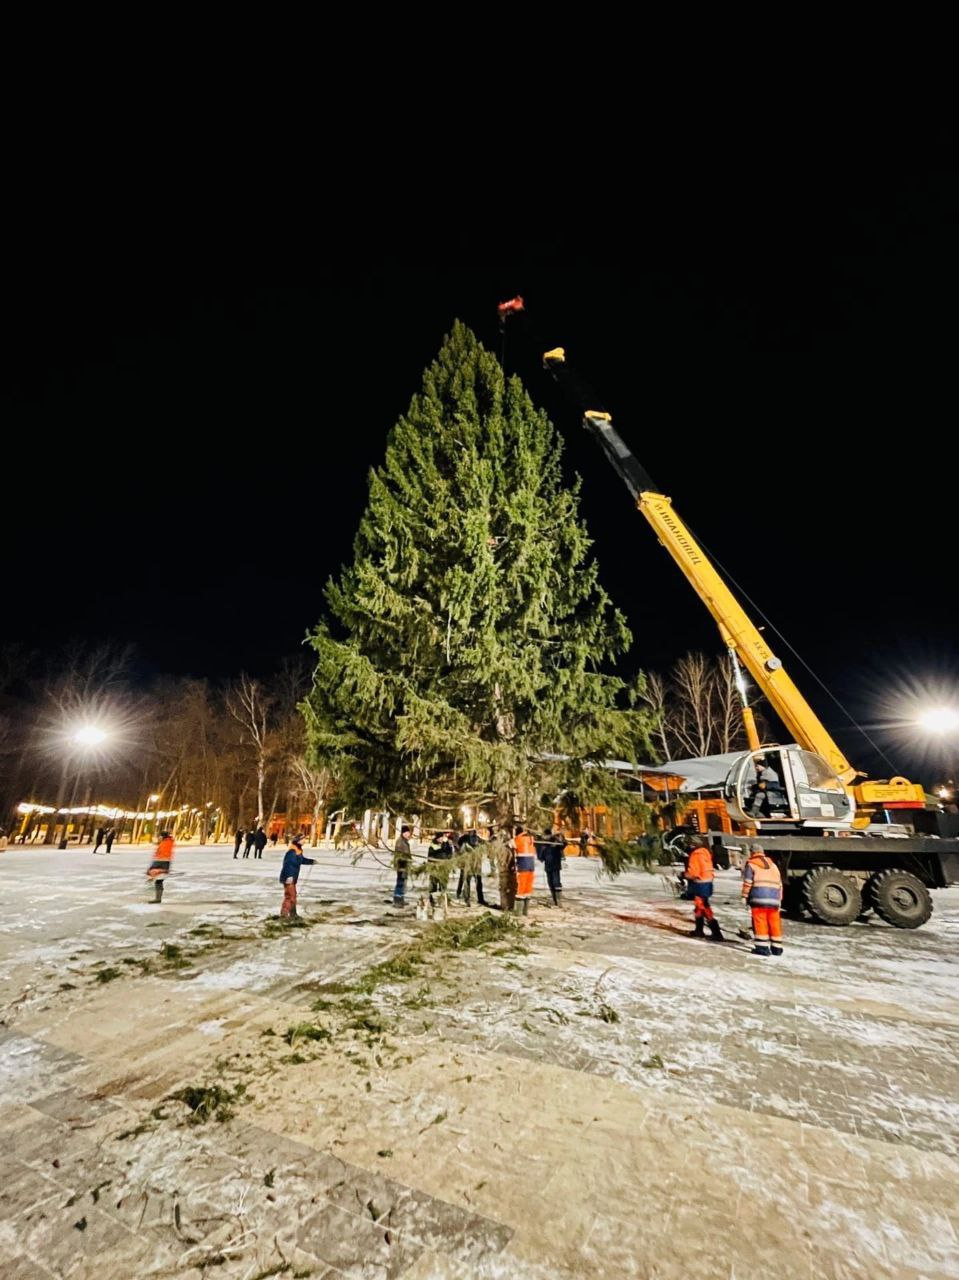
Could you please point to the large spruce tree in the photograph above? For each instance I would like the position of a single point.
(465, 657)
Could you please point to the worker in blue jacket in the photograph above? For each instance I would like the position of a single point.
(290, 873)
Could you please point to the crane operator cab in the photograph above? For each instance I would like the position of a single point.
(786, 786)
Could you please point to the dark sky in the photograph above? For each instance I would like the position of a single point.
(189, 422)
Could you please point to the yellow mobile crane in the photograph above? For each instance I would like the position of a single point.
(803, 795)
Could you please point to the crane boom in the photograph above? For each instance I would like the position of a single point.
(738, 632)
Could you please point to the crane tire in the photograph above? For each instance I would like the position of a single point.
(899, 898)
(831, 897)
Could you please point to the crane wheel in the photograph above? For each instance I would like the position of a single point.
(899, 898)
(831, 897)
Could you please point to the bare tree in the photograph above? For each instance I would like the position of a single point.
(314, 786)
(698, 708)
(655, 697)
(251, 707)
(692, 680)
(728, 724)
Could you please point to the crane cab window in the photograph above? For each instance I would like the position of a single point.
(818, 774)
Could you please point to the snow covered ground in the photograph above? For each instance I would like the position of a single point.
(615, 1099)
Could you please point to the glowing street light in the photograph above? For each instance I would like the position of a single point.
(940, 720)
(89, 736)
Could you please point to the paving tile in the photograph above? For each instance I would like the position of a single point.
(356, 1248)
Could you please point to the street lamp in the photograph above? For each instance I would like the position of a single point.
(139, 823)
(943, 722)
(940, 720)
(83, 739)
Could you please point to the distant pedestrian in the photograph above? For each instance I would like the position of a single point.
(159, 868)
(109, 836)
(3, 840)
(401, 864)
(250, 837)
(584, 840)
(290, 873)
(99, 840)
(237, 841)
(274, 836)
(763, 893)
(259, 842)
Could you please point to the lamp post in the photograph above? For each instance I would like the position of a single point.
(139, 823)
(82, 740)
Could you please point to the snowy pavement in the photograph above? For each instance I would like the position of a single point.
(614, 1099)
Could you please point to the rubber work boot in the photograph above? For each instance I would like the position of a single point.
(157, 890)
(760, 950)
(777, 951)
(715, 933)
(699, 928)
(558, 897)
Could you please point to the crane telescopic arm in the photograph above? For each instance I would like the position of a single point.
(741, 637)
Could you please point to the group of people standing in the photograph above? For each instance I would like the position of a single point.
(511, 855)
(255, 839)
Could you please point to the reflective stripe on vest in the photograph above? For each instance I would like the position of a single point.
(765, 889)
(765, 874)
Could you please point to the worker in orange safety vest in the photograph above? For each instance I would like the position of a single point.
(524, 847)
(159, 868)
(763, 893)
(699, 886)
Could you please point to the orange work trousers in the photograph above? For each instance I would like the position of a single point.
(289, 899)
(702, 909)
(524, 883)
(767, 925)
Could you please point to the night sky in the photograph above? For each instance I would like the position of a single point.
(189, 423)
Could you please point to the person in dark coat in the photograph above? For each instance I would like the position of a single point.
(237, 841)
(472, 868)
(99, 840)
(259, 842)
(550, 852)
(290, 873)
(109, 836)
(440, 850)
(274, 836)
(250, 837)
